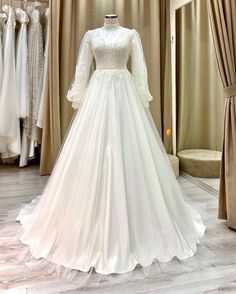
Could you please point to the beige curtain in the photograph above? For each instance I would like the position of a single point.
(51, 139)
(222, 15)
(199, 91)
(70, 20)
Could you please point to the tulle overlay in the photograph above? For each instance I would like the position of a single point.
(28, 268)
(112, 201)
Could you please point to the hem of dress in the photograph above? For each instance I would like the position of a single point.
(130, 269)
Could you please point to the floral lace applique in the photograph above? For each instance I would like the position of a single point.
(111, 49)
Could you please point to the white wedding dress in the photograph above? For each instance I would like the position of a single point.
(3, 18)
(112, 200)
(22, 63)
(45, 76)
(10, 141)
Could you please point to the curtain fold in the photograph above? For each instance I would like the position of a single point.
(70, 20)
(222, 15)
(165, 74)
(199, 116)
(51, 137)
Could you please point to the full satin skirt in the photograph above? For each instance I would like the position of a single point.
(112, 200)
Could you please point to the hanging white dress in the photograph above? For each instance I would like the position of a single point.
(3, 18)
(10, 145)
(35, 69)
(22, 63)
(112, 200)
(22, 79)
(44, 94)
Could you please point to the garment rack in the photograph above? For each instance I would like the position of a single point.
(22, 3)
(12, 2)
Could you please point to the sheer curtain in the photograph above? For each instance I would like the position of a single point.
(199, 90)
(70, 19)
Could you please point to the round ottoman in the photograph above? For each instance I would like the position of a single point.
(200, 163)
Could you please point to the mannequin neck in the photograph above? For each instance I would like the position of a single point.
(111, 22)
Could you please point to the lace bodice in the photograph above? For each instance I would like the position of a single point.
(22, 16)
(111, 47)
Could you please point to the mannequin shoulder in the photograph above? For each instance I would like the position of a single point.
(127, 31)
(131, 32)
(94, 31)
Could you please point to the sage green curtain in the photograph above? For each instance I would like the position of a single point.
(200, 106)
(222, 15)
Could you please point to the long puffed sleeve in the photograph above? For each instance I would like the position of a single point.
(79, 84)
(139, 69)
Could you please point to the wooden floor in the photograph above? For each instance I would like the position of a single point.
(211, 270)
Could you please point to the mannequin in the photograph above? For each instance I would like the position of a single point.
(111, 20)
(112, 182)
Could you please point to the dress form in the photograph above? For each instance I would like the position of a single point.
(111, 20)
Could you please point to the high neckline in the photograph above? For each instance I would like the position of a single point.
(111, 23)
